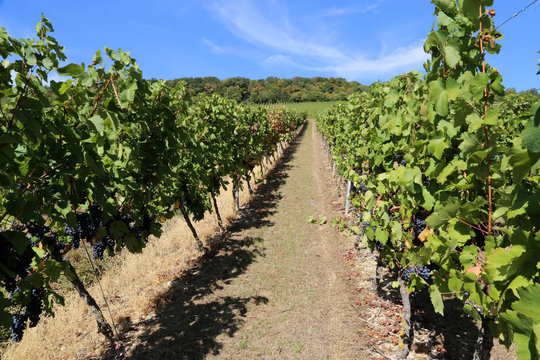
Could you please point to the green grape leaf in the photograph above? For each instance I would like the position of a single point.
(478, 85)
(441, 93)
(522, 162)
(531, 137)
(436, 299)
(536, 337)
(98, 123)
(381, 235)
(528, 303)
(443, 214)
(503, 263)
(448, 6)
(451, 54)
(72, 70)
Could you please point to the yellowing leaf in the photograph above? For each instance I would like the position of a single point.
(424, 234)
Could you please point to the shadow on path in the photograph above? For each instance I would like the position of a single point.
(189, 316)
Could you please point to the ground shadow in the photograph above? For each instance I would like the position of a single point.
(189, 318)
(255, 214)
(455, 330)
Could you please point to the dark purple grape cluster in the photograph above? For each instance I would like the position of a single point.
(422, 271)
(87, 225)
(32, 312)
(363, 188)
(419, 225)
(480, 237)
(17, 264)
(99, 247)
(394, 215)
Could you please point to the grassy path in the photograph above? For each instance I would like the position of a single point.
(275, 289)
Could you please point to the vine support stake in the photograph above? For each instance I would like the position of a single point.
(237, 197)
(347, 197)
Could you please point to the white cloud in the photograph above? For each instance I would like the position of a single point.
(277, 59)
(247, 22)
(182, 10)
(402, 58)
(274, 30)
(348, 10)
(216, 49)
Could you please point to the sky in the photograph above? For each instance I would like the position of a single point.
(363, 40)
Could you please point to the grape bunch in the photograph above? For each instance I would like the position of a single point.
(32, 313)
(419, 225)
(422, 271)
(17, 264)
(99, 247)
(480, 237)
(363, 188)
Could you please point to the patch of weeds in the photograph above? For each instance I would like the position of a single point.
(298, 347)
(242, 344)
(344, 228)
(321, 221)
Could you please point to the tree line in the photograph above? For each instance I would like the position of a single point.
(273, 89)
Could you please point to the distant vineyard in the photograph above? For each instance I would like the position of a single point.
(105, 157)
(447, 183)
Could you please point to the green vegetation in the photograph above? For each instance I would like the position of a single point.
(273, 90)
(104, 158)
(311, 108)
(448, 181)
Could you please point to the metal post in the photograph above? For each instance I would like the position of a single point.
(267, 163)
(333, 168)
(347, 197)
(237, 195)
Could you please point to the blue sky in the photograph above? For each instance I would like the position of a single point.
(364, 40)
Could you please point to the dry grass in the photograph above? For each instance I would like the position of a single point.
(132, 288)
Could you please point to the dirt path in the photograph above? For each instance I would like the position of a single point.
(276, 288)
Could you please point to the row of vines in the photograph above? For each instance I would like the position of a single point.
(104, 158)
(447, 180)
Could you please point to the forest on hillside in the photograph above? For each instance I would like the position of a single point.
(274, 90)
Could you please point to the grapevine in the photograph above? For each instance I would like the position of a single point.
(451, 177)
(105, 157)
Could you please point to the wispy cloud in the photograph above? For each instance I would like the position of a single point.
(216, 49)
(406, 57)
(274, 31)
(182, 10)
(247, 22)
(348, 10)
